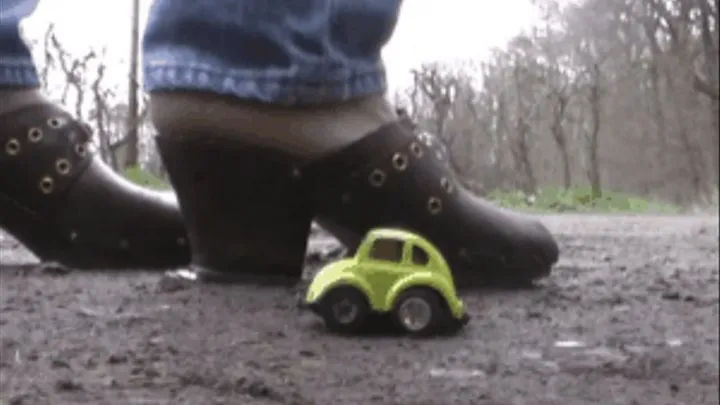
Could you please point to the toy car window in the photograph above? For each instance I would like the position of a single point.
(419, 256)
(387, 250)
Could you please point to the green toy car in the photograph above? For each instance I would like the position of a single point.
(394, 273)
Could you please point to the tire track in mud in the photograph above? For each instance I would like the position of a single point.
(630, 316)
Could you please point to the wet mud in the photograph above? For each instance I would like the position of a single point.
(629, 316)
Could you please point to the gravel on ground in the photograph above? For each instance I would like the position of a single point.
(629, 317)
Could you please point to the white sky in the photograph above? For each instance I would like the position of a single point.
(429, 30)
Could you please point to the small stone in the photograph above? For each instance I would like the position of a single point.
(20, 399)
(110, 382)
(156, 340)
(151, 373)
(671, 295)
(277, 334)
(67, 384)
(117, 359)
(674, 342)
(532, 354)
(173, 282)
(258, 389)
(54, 268)
(91, 363)
(59, 364)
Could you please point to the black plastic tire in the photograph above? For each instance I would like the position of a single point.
(344, 309)
(435, 318)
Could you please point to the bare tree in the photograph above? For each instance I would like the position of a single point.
(616, 94)
(75, 71)
(559, 87)
(132, 140)
(100, 115)
(440, 89)
(84, 85)
(593, 132)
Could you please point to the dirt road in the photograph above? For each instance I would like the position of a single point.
(630, 316)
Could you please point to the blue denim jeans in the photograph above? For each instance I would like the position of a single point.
(272, 51)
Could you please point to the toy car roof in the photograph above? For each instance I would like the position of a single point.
(396, 233)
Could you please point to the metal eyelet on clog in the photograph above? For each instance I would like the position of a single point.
(55, 123)
(434, 205)
(446, 185)
(416, 150)
(400, 161)
(81, 150)
(47, 185)
(377, 178)
(35, 135)
(12, 147)
(62, 166)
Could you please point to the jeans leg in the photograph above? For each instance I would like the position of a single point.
(272, 51)
(16, 64)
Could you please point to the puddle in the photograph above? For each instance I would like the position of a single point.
(675, 342)
(532, 354)
(313, 363)
(183, 274)
(602, 353)
(580, 356)
(569, 344)
(599, 351)
(589, 357)
(456, 373)
(636, 349)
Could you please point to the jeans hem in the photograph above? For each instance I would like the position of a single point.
(18, 74)
(284, 89)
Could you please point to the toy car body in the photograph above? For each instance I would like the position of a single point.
(394, 272)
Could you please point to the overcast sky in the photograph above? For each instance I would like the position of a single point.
(429, 30)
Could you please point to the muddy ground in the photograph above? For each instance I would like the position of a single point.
(630, 316)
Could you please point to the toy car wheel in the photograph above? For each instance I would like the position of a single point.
(420, 311)
(344, 309)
